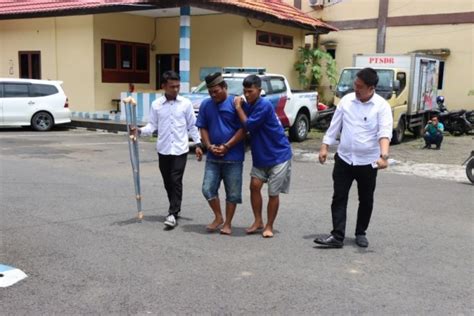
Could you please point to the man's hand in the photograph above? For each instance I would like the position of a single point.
(134, 132)
(323, 153)
(238, 101)
(382, 163)
(221, 150)
(198, 153)
(215, 150)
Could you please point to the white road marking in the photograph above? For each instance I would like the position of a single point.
(10, 275)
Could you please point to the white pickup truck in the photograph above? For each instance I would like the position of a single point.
(296, 110)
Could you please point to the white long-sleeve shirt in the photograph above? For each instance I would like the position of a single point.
(361, 126)
(173, 120)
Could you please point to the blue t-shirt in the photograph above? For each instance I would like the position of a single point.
(269, 144)
(221, 122)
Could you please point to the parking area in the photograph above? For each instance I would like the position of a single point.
(68, 212)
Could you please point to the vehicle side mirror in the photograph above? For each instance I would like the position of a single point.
(263, 93)
(396, 85)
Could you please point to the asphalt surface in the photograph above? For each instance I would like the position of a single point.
(68, 221)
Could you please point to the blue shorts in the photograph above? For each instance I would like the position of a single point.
(230, 172)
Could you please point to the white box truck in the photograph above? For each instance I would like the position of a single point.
(409, 82)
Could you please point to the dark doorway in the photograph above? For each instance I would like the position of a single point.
(30, 65)
(165, 62)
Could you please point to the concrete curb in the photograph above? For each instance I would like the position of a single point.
(110, 126)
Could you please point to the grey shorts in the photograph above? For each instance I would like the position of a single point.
(278, 177)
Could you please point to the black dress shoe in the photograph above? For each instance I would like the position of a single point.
(362, 241)
(329, 241)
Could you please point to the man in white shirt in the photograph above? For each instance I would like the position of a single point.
(172, 116)
(364, 121)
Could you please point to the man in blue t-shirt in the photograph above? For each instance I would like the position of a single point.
(271, 152)
(222, 134)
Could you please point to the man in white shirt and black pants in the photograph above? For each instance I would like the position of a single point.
(364, 121)
(172, 116)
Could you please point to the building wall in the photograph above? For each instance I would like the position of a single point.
(65, 45)
(71, 49)
(75, 60)
(120, 27)
(224, 40)
(275, 60)
(459, 65)
(417, 7)
(167, 36)
(364, 9)
(28, 35)
(216, 41)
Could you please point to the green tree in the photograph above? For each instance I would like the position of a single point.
(310, 67)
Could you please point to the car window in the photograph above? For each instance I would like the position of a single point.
(277, 85)
(41, 90)
(266, 86)
(1, 90)
(15, 90)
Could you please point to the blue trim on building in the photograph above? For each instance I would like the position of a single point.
(184, 54)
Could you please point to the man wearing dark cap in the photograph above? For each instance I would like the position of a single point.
(222, 135)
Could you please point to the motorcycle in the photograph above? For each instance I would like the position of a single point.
(470, 117)
(470, 167)
(455, 122)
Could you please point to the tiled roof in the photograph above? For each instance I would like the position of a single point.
(270, 10)
(276, 9)
(8, 8)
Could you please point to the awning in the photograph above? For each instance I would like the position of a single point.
(274, 11)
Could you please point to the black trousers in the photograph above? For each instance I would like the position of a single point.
(172, 170)
(343, 175)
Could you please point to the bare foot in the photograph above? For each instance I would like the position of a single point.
(267, 233)
(255, 226)
(214, 225)
(226, 230)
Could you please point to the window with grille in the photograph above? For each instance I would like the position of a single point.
(274, 40)
(125, 62)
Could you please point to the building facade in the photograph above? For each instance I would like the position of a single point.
(98, 56)
(443, 28)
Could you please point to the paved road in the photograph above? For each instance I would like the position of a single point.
(67, 220)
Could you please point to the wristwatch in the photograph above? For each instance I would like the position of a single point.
(384, 157)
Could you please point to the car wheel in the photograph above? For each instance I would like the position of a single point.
(299, 130)
(42, 121)
(398, 133)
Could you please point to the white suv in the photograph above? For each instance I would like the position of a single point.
(39, 103)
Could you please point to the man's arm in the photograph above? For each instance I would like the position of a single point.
(237, 138)
(331, 134)
(440, 127)
(191, 123)
(238, 101)
(385, 125)
(207, 142)
(384, 144)
(256, 119)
